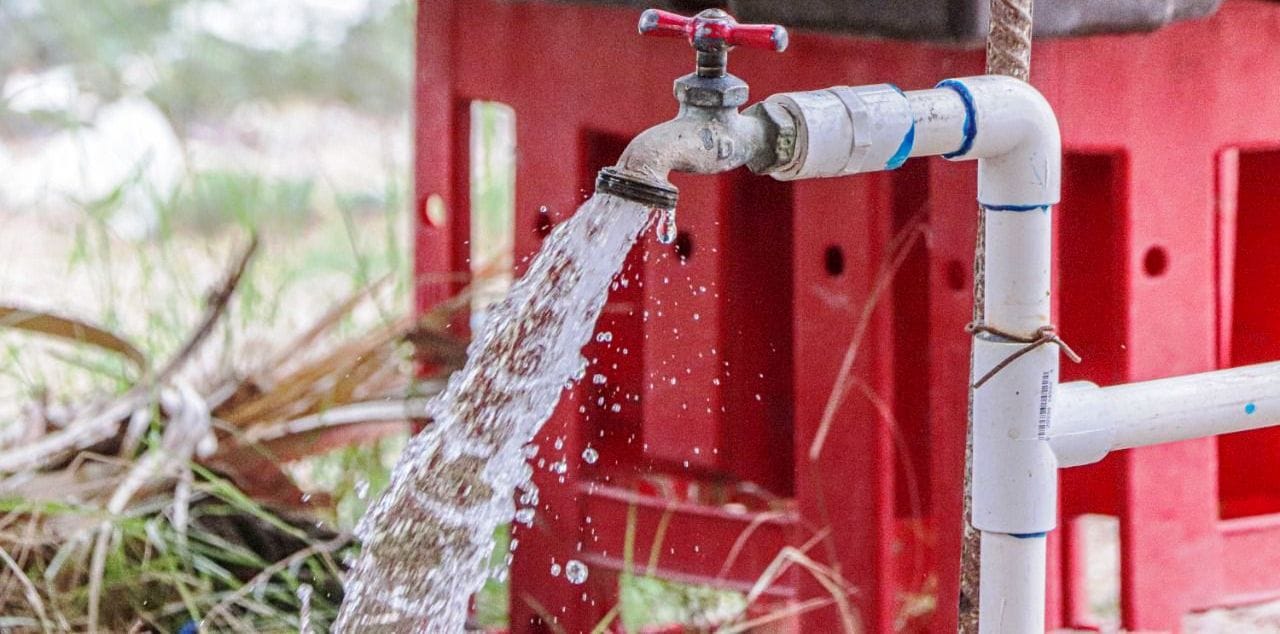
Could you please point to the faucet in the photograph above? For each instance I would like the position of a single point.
(1011, 131)
(708, 134)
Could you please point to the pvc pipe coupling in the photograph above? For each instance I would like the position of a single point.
(846, 130)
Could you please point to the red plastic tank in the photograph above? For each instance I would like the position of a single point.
(1166, 265)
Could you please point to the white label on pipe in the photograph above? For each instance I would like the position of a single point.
(1046, 401)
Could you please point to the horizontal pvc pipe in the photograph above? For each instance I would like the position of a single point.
(1012, 591)
(1091, 421)
(1002, 122)
(939, 115)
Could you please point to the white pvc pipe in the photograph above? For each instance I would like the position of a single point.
(1010, 129)
(939, 117)
(1013, 133)
(1090, 421)
(1012, 590)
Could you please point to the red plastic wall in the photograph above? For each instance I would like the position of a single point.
(1166, 266)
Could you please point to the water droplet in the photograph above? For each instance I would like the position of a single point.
(604, 337)
(599, 379)
(559, 443)
(555, 570)
(667, 226)
(362, 489)
(615, 408)
(590, 455)
(576, 572)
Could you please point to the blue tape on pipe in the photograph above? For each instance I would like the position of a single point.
(970, 116)
(1015, 208)
(1028, 535)
(904, 150)
(908, 142)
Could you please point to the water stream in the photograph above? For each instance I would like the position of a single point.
(428, 539)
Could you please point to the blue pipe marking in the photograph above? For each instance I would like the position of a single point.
(1015, 208)
(1028, 535)
(904, 150)
(1250, 408)
(970, 116)
(908, 141)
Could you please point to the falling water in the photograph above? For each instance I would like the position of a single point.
(428, 539)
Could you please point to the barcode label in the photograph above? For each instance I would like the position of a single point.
(1046, 402)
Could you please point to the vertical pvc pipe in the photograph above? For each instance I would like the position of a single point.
(1017, 297)
(1012, 592)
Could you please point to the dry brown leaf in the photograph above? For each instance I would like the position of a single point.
(67, 328)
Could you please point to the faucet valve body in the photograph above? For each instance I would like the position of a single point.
(708, 134)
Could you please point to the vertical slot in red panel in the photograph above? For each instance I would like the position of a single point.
(756, 296)
(491, 217)
(1091, 276)
(908, 405)
(1249, 463)
(613, 387)
(1090, 308)
(909, 324)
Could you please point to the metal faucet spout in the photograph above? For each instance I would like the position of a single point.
(691, 143)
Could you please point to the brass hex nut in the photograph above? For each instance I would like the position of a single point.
(782, 137)
(730, 96)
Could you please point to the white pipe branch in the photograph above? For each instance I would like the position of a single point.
(1090, 421)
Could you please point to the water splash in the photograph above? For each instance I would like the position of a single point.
(428, 539)
(576, 572)
(667, 226)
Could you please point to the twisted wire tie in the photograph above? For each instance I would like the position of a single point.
(1043, 335)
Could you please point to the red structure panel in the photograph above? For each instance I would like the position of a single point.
(1165, 243)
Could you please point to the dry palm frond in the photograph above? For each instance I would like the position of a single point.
(70, 329)
(170, 471)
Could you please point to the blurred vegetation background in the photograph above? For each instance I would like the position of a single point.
(141, 141)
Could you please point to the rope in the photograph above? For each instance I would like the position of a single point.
(1042, 336)
(1009, 42)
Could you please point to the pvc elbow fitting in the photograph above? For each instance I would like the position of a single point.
(1012, 130)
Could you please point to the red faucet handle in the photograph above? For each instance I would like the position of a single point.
(713, 30)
